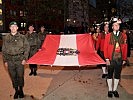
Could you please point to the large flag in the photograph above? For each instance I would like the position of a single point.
(67, 50)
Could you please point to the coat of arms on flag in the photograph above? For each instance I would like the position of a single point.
(67, 50)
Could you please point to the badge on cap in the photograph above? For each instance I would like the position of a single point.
(13, 23)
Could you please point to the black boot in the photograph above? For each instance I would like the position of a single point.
(116, 94)
(21, 93)
(16, 93)
(35, 71)
(104, 75)
(30, 73)
(110, 94)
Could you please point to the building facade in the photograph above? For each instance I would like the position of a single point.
(1, 16)
(53, 14)
(37, 12)
(78, 12)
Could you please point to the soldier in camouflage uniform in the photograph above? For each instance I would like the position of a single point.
(42, 34)
(15, 50)
(35, 43)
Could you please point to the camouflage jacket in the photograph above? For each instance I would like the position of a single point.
(34, 42)
(42, 35)
(14, 45)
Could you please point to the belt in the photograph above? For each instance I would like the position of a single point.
(33, 46)
(15, 54)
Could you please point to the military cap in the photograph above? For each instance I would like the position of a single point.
(13, 23)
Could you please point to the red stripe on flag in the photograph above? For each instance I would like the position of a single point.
(47, 54)
(87, 55)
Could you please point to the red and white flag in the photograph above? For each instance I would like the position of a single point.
(67, 50)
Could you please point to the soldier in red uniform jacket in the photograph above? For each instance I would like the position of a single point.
(100, 46)
(115, 53)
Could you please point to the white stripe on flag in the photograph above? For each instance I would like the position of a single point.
(67, 41)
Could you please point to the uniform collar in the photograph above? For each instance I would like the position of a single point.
(15, 34)
(116, 33)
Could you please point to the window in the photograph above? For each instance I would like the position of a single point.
(11, 12)
(14, 13)
(13, 2)
(21, 13)
(23, 25)
(1, 23)
(25, 13)
(0, 1)
(0, 11)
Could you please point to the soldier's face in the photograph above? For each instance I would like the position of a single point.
(13, 28)
(116, 26)
(31, 28)
(106, 28)
(124, 30)
(98, 30)
(42, 29)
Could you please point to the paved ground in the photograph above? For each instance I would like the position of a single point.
(61, 83)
